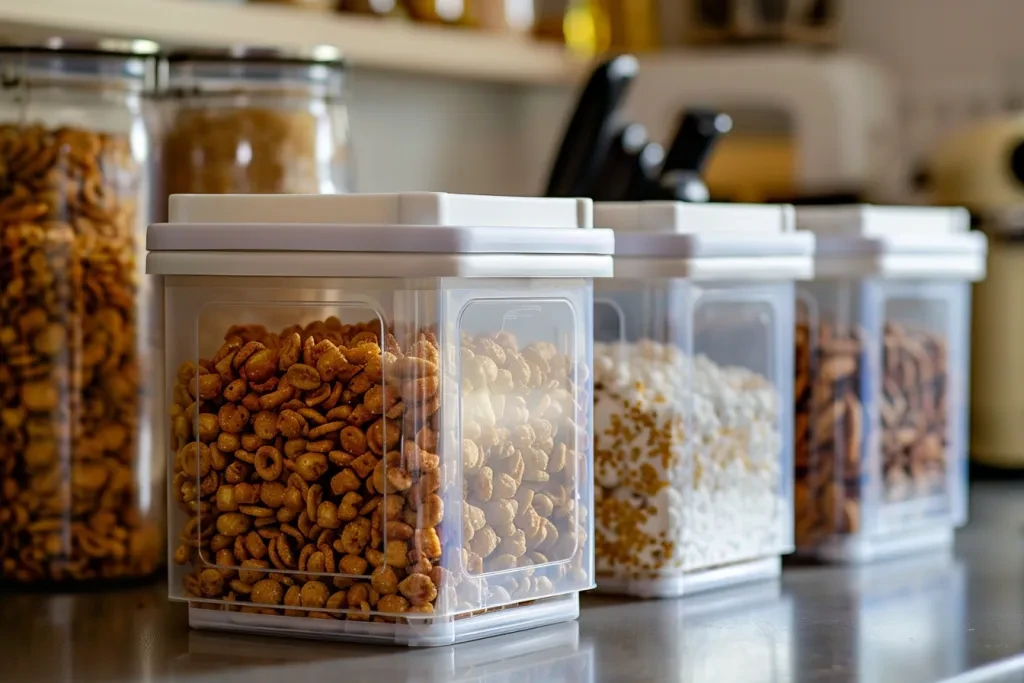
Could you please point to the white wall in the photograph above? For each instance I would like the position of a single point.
(412, 133)
(955, 61)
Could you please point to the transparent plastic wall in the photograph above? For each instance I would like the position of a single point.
(881, 382)
(380, 459)
(692, 426)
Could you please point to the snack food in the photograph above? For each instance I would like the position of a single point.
(249, 150)
(318, 480)
(687, 461)
(914, 413)
(831, 427)
(829, 432)
(72, 506)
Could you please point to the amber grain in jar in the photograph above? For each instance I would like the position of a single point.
(255, 122)
(81, 497)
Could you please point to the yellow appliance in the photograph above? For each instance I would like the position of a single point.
(982, 168)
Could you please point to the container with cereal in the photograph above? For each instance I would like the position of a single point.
(380, 410)
(882, 380)
(81, 496)
(692, 377)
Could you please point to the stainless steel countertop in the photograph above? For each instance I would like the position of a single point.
(933, 618)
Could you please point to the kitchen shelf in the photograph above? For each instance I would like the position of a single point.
(365, 41)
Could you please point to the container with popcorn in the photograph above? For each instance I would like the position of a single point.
(881, 380)
(693, 373)
(381, 412)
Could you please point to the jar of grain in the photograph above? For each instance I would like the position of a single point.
(255, 122)
(80, 491)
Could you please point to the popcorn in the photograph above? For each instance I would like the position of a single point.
(688, 462)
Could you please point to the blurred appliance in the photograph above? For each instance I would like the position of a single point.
(807, 126)
(982, 168)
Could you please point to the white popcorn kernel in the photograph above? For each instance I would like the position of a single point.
(667, 513)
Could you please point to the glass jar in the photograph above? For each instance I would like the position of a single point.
(375, 7)
(256, 122)
(513, 16)
(322, 5)
(436, 11)
(813, 22)
(80, 494)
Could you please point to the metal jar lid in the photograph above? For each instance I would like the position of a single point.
(318, 71)
(127, 64)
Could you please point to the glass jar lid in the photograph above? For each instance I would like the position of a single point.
(127, 64)
(319, 71)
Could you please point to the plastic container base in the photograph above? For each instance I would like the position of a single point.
(689, 583)
(508, 620)
(860, 549)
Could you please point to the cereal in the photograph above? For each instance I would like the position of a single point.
(71, 506)
(356, 486)
(669, 501)
(203, 143)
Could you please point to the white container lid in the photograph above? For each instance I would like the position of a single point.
(420, 234)
(895, 241)
(706, 241)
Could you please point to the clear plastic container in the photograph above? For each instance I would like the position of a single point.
(882, 380)
(80, 493)
(692, 421)
(391, 439)
(255, 122)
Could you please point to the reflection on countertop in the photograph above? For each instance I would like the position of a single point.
(927, 619)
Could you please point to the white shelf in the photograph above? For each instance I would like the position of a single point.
(365, 41)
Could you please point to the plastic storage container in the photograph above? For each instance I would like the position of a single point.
(693, 372)
(256, 122)
(80, 496)
(882, 380)
(391, 439)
